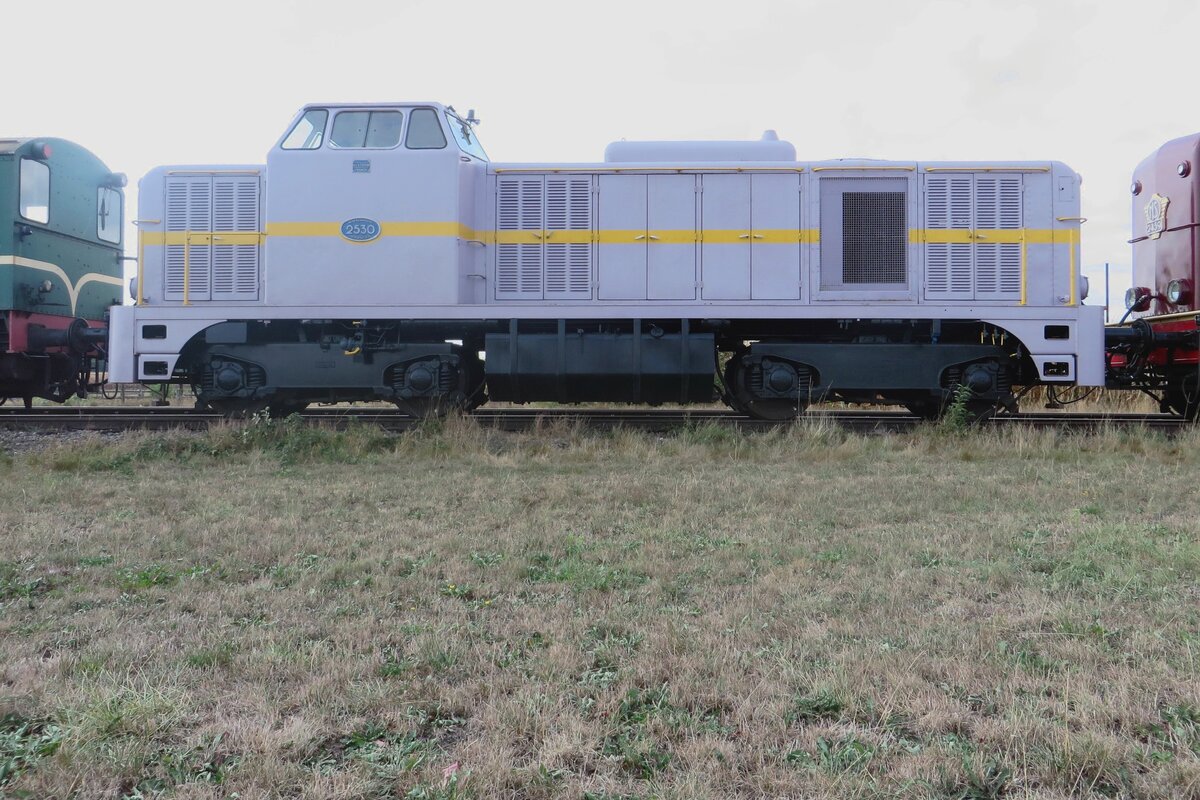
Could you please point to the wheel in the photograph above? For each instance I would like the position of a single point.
(974, 411)
(740, 399)
(234, 408)
(928, 410)
(280, 410)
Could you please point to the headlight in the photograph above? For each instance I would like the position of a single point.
(1179, 292)
(1137, 298)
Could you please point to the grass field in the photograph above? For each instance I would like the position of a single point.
(280, 611)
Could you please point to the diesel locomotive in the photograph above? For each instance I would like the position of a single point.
(1157, 351)
(60, 266)
(379, 255)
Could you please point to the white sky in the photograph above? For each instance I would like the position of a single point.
(1098, 85)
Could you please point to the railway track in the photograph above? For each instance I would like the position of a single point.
(117, 418)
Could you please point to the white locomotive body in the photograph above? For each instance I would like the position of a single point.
(378, 237)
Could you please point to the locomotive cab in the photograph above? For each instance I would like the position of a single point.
(373, 195)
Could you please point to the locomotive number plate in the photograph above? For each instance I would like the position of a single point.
(360, 229)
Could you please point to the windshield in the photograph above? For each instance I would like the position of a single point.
(464, 134)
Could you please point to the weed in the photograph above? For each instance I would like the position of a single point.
(815, 707)
(167, 768)
(991, 782)
(23, 742)
(580, 574)
(957, 416)
(485, 560)
(835, 756)
(146, 578)
(459, 591)
(220, 655)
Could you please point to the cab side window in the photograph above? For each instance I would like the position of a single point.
(108, 214)
(424, 131)
(308, 132)
(370, 129)
(35, 191)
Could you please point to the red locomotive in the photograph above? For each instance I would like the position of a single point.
(1158, 351)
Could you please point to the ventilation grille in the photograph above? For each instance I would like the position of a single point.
(212, 204)
(975, 269)
(536, 207)
(874, 238)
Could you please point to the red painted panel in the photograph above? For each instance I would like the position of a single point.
(19, 322)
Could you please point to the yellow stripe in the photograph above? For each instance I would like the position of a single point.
(761, 236)
(140, 262)
(198, 238)
(54, 269)
(1023, 271)
(609, 236)
(1071, 247)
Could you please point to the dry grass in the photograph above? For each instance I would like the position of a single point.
(282, 611)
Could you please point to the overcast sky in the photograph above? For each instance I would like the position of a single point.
(1097, 85)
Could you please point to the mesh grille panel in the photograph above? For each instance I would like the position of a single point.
(874, 238)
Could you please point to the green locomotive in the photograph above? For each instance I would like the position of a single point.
(60, 266)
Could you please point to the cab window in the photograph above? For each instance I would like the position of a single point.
(108, 214)
(424, 131)
(35, 191)
(308, 133)
(373, 129)
(464, 134)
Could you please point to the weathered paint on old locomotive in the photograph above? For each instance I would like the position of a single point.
(60, 264)
(340, 269)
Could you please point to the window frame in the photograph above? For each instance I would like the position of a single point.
(20, 194)
(451, 118)
(366, 132)
(320, 143)
(436, 119)
(120, 214)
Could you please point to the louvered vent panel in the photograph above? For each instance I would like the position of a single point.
(189, 208)
(998, 202)
(579, 214)
(937, 269)
(530, 285)
(568, 264)
(998, 265)
(960, 270)
(579, 270)
(521, 208)
(998, 271)
(556, 204)
(947, 202)
(948, 271)
(235, 209)
(987, 269)
(556, 267)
